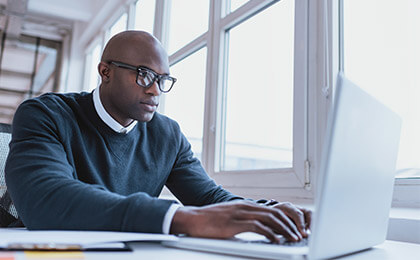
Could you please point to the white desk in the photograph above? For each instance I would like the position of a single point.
(390, 250)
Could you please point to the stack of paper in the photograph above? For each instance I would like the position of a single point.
(22, 239)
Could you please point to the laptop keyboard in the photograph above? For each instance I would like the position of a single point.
(283, 241)
(303, 242)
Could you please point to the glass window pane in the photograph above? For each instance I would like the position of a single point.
(382, 55)
(145, 15)
(92, 61)
(119, 26)
(259, 105)
(235, 4)
(185, 24)
(185, 102)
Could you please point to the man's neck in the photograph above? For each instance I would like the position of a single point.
(107, 118)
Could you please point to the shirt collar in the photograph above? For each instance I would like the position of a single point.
(108, 120)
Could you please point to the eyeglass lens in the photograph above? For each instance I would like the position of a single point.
(146, 78)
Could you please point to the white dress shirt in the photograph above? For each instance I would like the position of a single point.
(117, 127)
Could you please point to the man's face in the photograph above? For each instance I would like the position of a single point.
(123, 98)
(131, 100)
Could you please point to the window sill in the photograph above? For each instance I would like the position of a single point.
(404, 225)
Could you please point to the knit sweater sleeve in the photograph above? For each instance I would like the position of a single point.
(47, 193)
(189, 181)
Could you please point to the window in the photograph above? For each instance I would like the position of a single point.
(92, 60)
(242, 92)
(185, 102)
(382, 55)
(259, 100)
(145, 13)
(243, 89)
(119, 26)
(185, 24)
(235, 4)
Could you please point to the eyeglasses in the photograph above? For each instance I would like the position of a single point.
(146, 77)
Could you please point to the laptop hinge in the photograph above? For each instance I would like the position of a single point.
(307, 167)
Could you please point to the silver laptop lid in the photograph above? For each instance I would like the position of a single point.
(356, 174)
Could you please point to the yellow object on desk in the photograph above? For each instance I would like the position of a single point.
(53, 255)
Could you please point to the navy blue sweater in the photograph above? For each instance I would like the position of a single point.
(68, 170)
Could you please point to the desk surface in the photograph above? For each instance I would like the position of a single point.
(389, 250)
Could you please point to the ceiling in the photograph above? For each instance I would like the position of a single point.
(47, 19)
(45, 16)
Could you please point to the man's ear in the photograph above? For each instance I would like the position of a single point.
(104, 72)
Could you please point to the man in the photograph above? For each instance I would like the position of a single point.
(98, 161)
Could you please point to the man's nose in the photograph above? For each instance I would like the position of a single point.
(154, 89)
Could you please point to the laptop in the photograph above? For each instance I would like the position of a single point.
(355, 184)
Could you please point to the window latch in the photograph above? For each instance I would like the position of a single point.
(307, 168)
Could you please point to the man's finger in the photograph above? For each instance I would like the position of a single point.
(275, 221)
(295, 234)
(258, 227)
(297, 216)
(308, 217)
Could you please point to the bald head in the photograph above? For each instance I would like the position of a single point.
(136, 48)
(120, 94)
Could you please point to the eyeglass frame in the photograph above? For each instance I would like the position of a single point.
(157, 76)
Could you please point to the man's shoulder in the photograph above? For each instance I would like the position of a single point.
(55, 102)
(58, 98)
(56, 106)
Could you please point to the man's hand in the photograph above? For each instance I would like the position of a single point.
(224, 220)
(301, 217)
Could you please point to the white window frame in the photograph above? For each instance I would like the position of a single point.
(264, 179)
(291, 183)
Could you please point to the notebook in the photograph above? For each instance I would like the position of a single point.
(355, 184)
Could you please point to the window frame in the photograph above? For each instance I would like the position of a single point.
(268, 178)
(295, 182)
